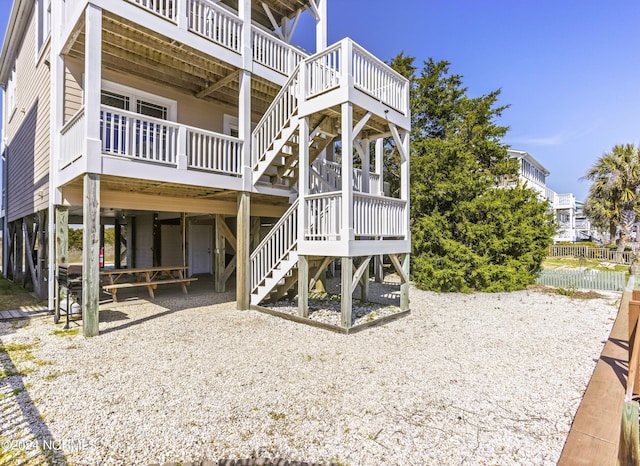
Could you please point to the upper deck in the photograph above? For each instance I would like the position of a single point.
(174, 32)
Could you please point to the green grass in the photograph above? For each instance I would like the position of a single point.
(570, 263)
(13, 296)
(66, 333)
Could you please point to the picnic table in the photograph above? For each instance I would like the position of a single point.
(149, 277)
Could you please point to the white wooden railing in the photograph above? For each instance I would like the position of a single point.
(213, 151)
(323, 71)
(137, 136)
(274, 53)
(377, 79)
(328, 70)
(379, 216)
(321, 183)
(331, 173)
(164, 8)
(275, 119)
(280, 241)
(128, 134)
(374, 181)
(322, 216)
(216, 24)
(72, 138)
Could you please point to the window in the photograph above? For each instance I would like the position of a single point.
(114, 100)
(152, 110)
(123, 133)
(44, 23)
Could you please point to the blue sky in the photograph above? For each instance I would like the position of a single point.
(569, 69)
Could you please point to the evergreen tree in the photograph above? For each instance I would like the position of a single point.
(467, 234)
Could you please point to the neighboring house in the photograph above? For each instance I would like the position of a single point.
(568, 212)
(197, 130)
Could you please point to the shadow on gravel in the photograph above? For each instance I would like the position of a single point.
(24, 436)
(169, 301)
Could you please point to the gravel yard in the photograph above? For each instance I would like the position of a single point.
(465, 378)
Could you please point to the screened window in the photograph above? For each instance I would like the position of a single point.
(114, 100)
(152, 110)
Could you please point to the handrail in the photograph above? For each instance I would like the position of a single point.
(76, 116)
(324, 187)
(216, 24)
(271, 250)
(323, 71)
(322, 219)
(164, 8)
(274, 53)
(275, 118)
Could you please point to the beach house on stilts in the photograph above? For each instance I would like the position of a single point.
(205, 138)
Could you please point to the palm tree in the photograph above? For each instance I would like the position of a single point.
(614, 193)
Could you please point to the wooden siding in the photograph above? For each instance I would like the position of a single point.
(27, 131)
(72, 88)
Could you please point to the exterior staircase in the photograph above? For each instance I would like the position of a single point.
(312, 94)
(275, 257)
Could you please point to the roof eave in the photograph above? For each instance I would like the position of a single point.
(18, 22)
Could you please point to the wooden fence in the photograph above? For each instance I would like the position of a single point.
(585, 252)
(579, 279)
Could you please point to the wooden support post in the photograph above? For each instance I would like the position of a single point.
(347, 169)
(5, 244)
(30, 272)
(117, 244)
(346, 301)
(379, 167)
(19, 274)
(364, 283)
(378, 269)
(10, 271)
(132, 231)
(629, 450)
(185, 232)
(243, 265)
(321, 24)
(61, 253)
(303, 286)
(41, 266)
(404, 286)
(220, 253)
(157, 241)
(91, 255)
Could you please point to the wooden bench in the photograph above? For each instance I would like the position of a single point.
(113, 289)
(149, 277)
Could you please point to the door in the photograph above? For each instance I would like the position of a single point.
(200, 249)
(171, 245)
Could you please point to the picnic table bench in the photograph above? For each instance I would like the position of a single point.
(149, 277)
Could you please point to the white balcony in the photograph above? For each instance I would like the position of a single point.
(139, 138)
(373, 217)
(222, 26)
